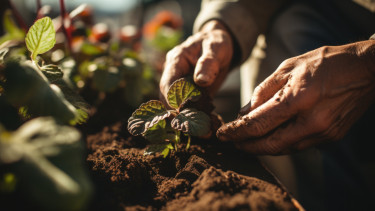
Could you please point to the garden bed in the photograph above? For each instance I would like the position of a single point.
(210, 175)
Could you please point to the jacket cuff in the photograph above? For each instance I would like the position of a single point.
(237, 19)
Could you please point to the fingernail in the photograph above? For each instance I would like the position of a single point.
(202, 79)
(244, 110)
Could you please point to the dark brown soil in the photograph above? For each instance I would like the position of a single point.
(208, 176)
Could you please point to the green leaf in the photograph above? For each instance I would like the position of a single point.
(13, 32)
(25, 87)
(192, 121)
(52, 72)
(133, 69)
(81, 117)
(163, 149)
(41, 37)
(156, 133)
(166, 38)
(48, 161)
(91, 49)
(146, 116)
(107, 80)
(180, 91)
(3, 52)
(160, 133)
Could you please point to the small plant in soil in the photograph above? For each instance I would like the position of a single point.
(164, 127)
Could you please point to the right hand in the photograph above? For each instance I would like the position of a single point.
(206, 55)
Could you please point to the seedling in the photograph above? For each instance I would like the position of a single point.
(163, 127)
(32, 86)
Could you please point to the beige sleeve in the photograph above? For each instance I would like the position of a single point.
(245, 19)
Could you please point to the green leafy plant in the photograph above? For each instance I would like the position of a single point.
(163, 127)
(36, 89)
(45, 161)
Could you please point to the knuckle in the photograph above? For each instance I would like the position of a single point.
(258, 89)
(174, 53)
(321, 125)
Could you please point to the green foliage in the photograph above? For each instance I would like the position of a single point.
(192, 122)
(41, 37)
(42, 155)
(163, 127)
(52, 72)
(13, 32)
(166, 38)
(180, 91)
(91, 49)
(33, 89)
(26, 87)
(146, 116)
(107, 79)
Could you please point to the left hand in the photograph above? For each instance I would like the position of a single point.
(309, 99)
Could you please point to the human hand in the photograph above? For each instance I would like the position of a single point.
(206, 55)
(309, 99)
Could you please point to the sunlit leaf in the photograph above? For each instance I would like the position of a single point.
(156, 133)
(81, 117)
(160, 132)
(192, 121)
(180, 91)
(146, 116)
(13, 32)
(3, 52)
(41, 37)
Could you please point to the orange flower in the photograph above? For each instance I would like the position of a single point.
(163, 18)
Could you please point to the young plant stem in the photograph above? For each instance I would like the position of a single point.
(39, 71)
(188, 142)
(65, 20)
(18, 17)
(177, 140)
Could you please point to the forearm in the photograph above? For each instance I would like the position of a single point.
(245, 19)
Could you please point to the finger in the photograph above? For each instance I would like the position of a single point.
(281, 141)
(262, 120)
(179, 62)
(307, 143)
(265, 90)
(212, 60)
(245, 109)
(206, 70)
